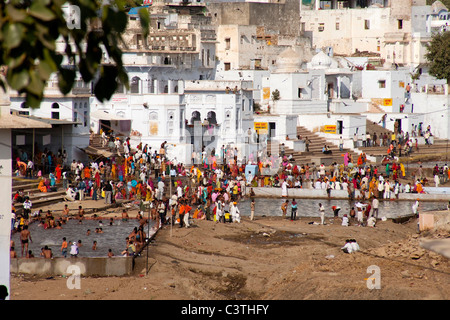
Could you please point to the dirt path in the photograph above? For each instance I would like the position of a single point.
(269, 259)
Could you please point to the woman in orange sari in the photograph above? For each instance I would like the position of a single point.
(87, 173)
(42, 186)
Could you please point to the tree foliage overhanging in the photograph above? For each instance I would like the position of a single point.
(438, 56)
(29, 30)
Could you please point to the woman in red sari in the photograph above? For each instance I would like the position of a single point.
(58, 173)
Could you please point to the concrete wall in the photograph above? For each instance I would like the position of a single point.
(117, 266)
(337, 194)
(434, 221)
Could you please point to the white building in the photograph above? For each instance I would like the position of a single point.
(68, 115)
(393, 31)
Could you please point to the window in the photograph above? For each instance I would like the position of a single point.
(321, 27)
(227, 43)
(367, 24)
(400, 24)
(134, 86)
(55, 105)
(55, 115)
(381, 84)
(299, 92)
(337, 25)
(227, 66)
(138, 41)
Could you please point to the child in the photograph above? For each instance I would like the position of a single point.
(94, 245)
(284, 207)
(64, 248)
(74, 250)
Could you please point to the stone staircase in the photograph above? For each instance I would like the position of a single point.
(315, 150)
(37, 198)
(437, 151)
(95, 141)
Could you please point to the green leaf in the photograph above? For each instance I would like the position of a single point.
(15, 14)
(66, 79)
(40, 11)
(18, 80)
(144, 18)
(106, 85)
(33, 101)
(13, 35)
(119, 23)
(45, 70)
(14, 62)
(36, 85)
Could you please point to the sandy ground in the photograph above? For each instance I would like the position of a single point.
(267, 259)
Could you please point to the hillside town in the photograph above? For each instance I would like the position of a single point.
(233, 101)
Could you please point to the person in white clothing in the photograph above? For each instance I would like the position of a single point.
(322, 213)
(74, 250)
(347, 248)
(354, 244)
(375, 206)
(234, 211)
(284, 191)
(345, 221)
(387, 190)
(371, 222)
(219, 210)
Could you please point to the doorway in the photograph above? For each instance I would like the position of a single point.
(339, 126)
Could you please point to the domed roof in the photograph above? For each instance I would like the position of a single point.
(321, 61)
(289, 61)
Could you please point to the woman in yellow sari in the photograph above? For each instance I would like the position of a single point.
(113, 171)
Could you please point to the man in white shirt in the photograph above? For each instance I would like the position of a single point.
(179, 192)
(322, 214)
(375, 205)
(347, 248)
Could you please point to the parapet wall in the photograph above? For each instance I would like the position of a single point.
(432, 194)
(98, 266)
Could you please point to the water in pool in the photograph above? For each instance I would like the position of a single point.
(310, 207)
(113, 237)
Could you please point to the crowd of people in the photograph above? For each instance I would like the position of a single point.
(175, 193)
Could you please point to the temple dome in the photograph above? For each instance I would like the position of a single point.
(321, 61)
(289, 61)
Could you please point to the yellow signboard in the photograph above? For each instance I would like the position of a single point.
(329, 129)
(387, 102)
(266, 93)
(261, 127)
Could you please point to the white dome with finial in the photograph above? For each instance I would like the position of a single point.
(321, 61)
(289, 61)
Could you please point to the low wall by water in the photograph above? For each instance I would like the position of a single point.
(98, 266)
(438, 220)
(341, 194)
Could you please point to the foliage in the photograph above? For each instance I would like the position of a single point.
(30, 31)
(276, 95)
(438, 56)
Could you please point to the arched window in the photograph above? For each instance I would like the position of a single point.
(211, 117)
(55, 105)
(134, 87)
(196, 116)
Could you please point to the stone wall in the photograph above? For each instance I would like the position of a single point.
(103, 267)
